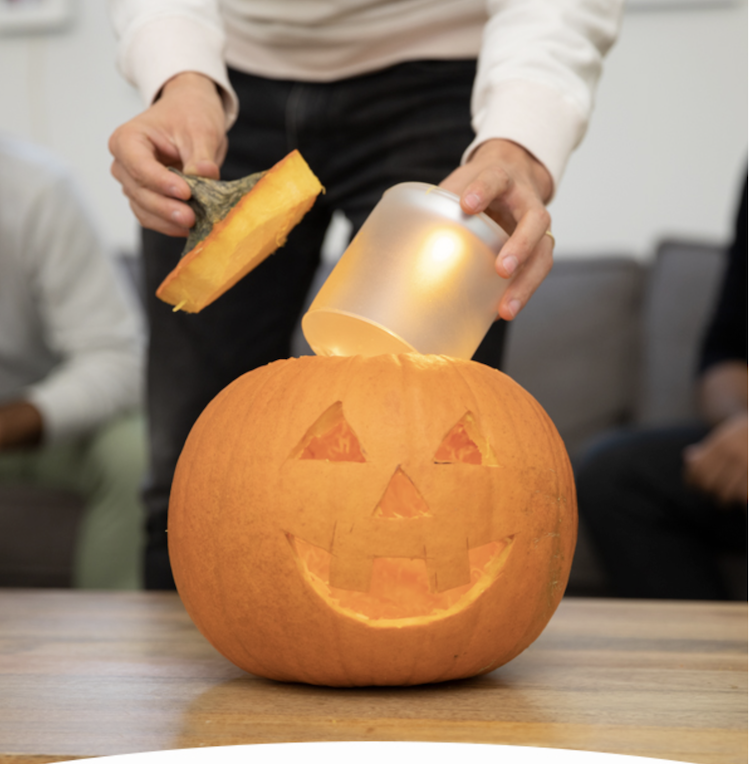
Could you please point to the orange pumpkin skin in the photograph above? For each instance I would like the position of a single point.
(252, 491)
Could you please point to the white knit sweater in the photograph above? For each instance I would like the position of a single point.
(69, 341)
(539, 60)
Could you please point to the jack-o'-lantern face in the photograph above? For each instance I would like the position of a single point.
(389, 562)
(355, 521)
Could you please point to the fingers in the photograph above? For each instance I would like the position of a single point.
(702, 469)
(493, 183)
(155, 210)
(526, 276)
(528, 254)
(143, 151)
(718, 465)
(504, 181)
(725, 481)
(736, 489)
(155, 194)
(529, 231)
(183, 129)
(178, 222)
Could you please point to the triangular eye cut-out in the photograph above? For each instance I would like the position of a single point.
(330, 438)
(401, 499)
(464, 444)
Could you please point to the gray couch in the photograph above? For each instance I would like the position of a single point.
(610, 343)
(605, 342)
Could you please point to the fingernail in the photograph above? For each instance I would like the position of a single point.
(472, 201)
(510, 264)
(514, 306)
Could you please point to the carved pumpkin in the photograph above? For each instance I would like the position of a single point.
(372, 521)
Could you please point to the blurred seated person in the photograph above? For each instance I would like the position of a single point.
(71, 365)
(662, 505)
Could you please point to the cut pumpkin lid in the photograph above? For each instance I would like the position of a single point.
(238, 225)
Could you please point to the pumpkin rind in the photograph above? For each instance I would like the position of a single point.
(254, 228)
(242, 494)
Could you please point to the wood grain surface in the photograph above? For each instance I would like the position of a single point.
(86, 674)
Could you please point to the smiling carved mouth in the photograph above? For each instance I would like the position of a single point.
(400, 592)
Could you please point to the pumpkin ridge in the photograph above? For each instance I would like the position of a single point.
(237, 426)
(518, 396)
(188, 463)
(552, 599)
(563, 471)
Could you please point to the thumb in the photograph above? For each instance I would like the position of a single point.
(204, 168)
(202, 155)
(192, 108)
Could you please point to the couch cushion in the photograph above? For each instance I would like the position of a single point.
(38, 529)
(679, 299)
(573, 347)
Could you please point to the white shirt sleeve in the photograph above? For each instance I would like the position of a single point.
(539, 63)
(87, 320)
(538, 69)
(158, 39)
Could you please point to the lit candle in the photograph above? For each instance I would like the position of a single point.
(418, 277)
(440, 258)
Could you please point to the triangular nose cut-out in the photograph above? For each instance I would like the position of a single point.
(330, 438)
(401, 500)
(465, 444)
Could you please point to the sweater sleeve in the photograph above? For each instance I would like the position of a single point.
(539, 63)
(538, 69)
(87, 321)
(158, 39)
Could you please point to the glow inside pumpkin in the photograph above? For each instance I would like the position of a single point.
(400, 588)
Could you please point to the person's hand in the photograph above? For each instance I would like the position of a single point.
(20, 425)
(718, 464)
(185, 129)
(502, 179)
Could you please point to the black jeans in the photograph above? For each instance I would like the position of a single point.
(360, 136)
(656, 536)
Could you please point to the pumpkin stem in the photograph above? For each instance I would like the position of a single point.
(211, 201)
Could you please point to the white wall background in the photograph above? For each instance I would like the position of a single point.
(664, 155)
(667, 145)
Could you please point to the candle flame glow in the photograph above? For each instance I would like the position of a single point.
(441, 253)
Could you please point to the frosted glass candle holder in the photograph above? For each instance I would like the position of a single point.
(419, 276)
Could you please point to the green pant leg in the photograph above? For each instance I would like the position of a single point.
(109, 551)
(57, 466)
(106, 469)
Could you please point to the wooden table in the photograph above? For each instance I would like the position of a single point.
(86, 674)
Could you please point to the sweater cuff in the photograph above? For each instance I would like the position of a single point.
(55, 428)
(167, 46)
(534, 116)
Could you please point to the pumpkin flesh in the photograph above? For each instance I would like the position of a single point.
(254, 228)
